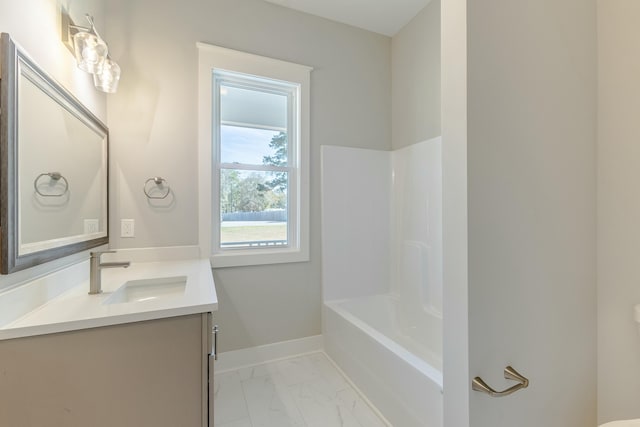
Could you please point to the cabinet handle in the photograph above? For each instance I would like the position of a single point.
(215, 342)
(478, 384)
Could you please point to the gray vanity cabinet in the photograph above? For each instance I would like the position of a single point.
(153, 373)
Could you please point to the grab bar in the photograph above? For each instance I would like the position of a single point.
(478, 384)
(55, 176)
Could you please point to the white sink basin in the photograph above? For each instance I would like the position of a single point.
(149, 290)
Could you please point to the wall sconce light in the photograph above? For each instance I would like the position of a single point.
(107, 79)
(92, 55)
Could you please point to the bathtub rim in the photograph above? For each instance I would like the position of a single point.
(418, 363)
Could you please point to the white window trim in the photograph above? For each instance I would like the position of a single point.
(212, 58)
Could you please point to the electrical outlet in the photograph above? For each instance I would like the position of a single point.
(91, 226)
(127, 228)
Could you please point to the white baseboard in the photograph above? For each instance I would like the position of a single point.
(230, 360)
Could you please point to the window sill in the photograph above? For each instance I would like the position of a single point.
(264, 257)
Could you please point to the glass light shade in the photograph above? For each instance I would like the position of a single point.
(107, 79)
(90, 50)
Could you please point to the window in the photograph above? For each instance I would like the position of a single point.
(253, 158)
(255, 144)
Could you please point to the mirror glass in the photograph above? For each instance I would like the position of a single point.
(55, 168)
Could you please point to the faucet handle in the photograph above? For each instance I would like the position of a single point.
(96, 254)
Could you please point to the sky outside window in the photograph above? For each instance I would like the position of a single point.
(245, 145)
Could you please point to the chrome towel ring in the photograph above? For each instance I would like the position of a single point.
(54, 176)
(161, 183)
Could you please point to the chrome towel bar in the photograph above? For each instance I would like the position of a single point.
(478, 384)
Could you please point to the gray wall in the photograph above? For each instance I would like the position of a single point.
(154, 132)
(618, 209)
(35, 25)
(415, 73)
(532, 207)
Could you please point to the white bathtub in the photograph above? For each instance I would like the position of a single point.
(392, 353)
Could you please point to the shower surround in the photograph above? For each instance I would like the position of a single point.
(382, 275)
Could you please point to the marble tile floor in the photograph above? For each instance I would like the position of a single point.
(305, 391)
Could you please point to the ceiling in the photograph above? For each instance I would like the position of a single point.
(380, 16)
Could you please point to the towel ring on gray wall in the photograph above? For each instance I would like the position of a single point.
(160, 182)
(55, 176)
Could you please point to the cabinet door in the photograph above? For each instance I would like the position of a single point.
(132, 375)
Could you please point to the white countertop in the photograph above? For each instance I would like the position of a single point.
(72, 308)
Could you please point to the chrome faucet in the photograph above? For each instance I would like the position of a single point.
(95, 268)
